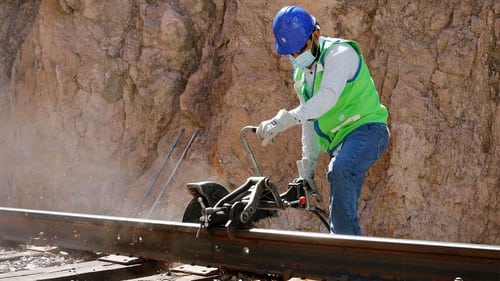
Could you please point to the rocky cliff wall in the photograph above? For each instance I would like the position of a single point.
(94, 93)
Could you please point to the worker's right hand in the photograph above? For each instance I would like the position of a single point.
(269, 129)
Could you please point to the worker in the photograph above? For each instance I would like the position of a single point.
(340, 112)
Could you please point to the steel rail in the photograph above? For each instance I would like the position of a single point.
(284, 253)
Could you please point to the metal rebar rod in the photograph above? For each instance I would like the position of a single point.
(155, 178)
(160, 195)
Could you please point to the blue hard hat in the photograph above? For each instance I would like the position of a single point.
(292, 27)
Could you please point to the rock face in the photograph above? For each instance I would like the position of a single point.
(94, 94)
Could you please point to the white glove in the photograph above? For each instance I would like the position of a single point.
(269, 129)
(306, 169)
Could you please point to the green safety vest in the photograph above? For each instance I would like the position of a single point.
(358, 104)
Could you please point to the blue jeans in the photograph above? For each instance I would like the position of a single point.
(346, 174)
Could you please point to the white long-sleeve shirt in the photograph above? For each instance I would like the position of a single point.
(340, 65)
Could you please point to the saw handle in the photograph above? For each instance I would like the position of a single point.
(250, 128)
(249, 150)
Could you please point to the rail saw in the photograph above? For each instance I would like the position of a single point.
(213, 205)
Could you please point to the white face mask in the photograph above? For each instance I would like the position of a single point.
(303, 60)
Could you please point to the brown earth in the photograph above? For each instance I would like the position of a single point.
(93, 94)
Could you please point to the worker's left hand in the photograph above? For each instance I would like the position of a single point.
(269, 129)
(306, 169)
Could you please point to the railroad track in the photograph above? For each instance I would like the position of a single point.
(285, 254)
(37, 261)
(27, 262)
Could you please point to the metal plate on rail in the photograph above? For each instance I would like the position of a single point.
(120, 259)
(196, 269)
